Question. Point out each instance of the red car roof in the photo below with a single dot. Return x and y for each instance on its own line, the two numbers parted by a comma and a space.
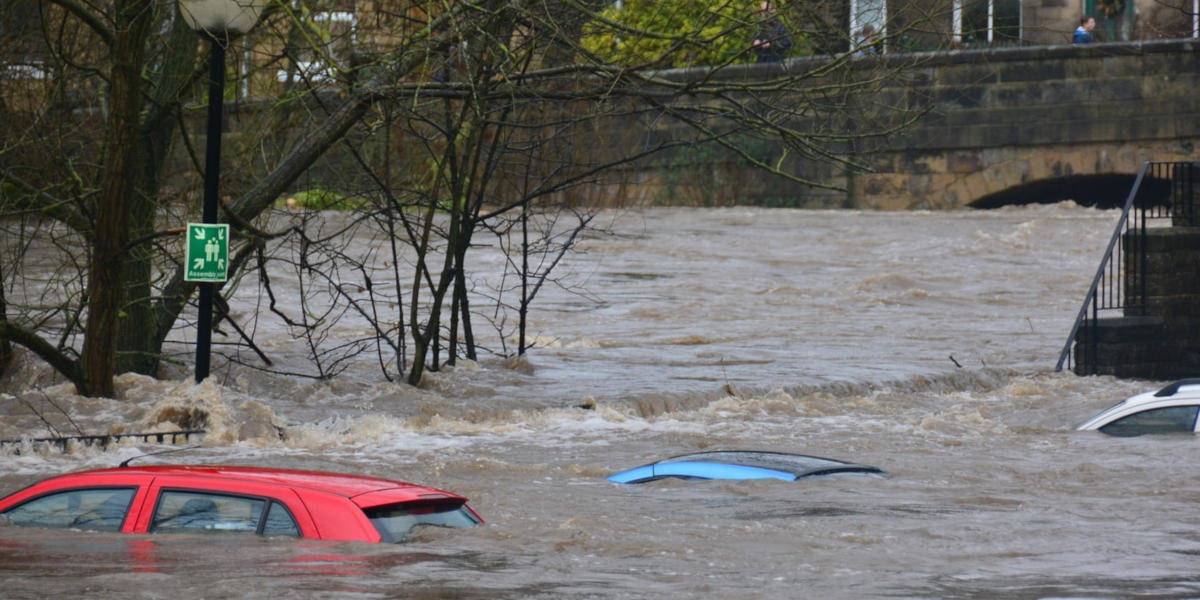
334, 483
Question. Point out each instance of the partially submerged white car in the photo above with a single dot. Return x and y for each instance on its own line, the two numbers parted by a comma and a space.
1172, 409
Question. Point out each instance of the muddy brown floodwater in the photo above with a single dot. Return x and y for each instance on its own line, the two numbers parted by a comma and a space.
826, 333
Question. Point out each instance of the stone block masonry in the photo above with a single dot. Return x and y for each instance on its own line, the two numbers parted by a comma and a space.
998, 120
1163, 343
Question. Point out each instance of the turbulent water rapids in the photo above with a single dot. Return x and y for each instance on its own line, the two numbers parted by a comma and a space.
920, 342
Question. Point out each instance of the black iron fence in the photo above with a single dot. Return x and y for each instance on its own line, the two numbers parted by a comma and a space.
1161, 191
63, 443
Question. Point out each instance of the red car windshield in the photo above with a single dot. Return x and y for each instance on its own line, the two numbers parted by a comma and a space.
396, 521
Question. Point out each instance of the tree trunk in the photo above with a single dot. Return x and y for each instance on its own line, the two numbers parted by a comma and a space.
423, 341
420, 340
138, 347
464, 305
452, 347
112, 211
5, 345
460, 305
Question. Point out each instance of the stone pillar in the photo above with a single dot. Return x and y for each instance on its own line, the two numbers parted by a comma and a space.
1164, 342
1187, 181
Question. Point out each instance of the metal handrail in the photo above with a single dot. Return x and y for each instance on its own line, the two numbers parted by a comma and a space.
1088, 300
1110, 269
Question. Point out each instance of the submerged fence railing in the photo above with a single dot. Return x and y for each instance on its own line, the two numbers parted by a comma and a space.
104, 440
1162, 190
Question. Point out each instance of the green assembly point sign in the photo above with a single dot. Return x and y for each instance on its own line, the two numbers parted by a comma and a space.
207, 254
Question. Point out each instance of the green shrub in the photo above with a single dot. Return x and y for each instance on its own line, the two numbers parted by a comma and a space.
679, 33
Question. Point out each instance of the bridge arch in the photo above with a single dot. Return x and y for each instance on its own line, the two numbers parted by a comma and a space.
1106, 190
1097, 174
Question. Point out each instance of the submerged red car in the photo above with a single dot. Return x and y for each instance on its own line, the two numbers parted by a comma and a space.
247, 500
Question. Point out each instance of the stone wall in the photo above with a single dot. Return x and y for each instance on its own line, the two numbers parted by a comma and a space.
1164, 343
998, 119
1009, 117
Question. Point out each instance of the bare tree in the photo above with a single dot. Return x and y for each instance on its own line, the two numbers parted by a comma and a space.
446, 120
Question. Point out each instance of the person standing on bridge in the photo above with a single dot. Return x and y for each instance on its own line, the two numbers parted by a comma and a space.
771, 41
867, 42
1083, 34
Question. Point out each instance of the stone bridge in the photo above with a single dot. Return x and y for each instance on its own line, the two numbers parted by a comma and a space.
1011, 125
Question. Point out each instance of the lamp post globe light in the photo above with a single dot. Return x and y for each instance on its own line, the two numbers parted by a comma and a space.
218, 20
221, 16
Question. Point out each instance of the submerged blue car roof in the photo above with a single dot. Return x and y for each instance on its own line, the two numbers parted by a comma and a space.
738, 465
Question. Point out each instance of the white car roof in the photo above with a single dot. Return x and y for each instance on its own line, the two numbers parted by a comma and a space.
1182, 392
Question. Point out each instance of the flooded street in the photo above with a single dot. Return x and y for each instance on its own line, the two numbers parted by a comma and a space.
922, 343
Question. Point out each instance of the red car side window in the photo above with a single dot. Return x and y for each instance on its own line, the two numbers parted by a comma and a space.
97, 509
279, 521
201, 511
206, 512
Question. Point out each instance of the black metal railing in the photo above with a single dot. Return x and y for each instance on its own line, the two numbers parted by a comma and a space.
1162, 190
104, 440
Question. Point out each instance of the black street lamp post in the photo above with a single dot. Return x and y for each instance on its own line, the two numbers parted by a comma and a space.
219, 21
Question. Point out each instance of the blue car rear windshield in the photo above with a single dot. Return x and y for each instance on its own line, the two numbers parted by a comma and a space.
397, 521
